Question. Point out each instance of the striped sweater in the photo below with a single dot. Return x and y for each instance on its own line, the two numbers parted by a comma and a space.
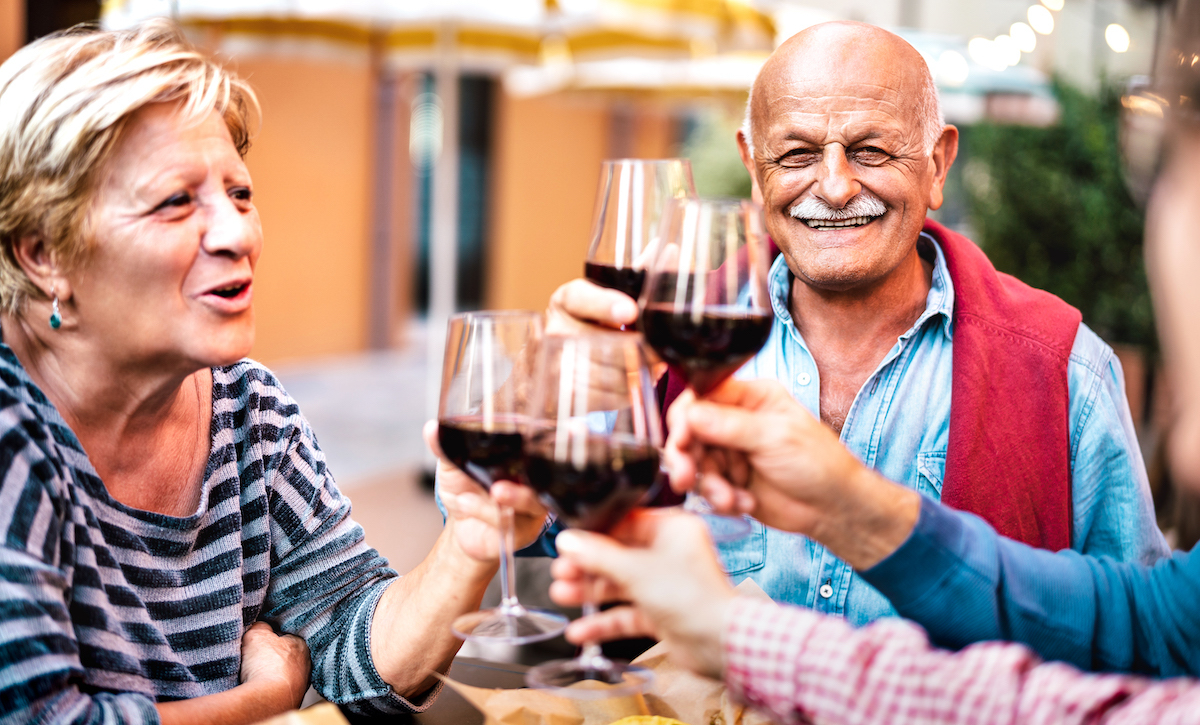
106, 609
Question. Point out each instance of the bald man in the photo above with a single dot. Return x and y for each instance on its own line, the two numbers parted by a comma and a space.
940, 373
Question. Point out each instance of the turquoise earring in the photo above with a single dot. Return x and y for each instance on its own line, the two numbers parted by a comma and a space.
55, 316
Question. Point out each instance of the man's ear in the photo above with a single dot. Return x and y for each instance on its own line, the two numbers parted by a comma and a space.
748, 162
942, 158
39, 265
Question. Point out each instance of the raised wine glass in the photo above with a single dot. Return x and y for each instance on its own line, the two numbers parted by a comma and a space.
592, 453
705, 308
485, 382
632, 196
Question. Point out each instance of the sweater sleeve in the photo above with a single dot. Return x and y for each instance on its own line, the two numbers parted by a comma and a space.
803, 667
326, 581
964, 583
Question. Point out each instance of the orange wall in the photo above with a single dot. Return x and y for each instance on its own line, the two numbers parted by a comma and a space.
547, 167
12, 27
311, 164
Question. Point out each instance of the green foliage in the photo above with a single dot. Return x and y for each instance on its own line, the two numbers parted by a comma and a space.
1050, 206
712, 147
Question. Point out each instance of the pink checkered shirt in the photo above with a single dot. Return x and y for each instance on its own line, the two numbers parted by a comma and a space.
803, 667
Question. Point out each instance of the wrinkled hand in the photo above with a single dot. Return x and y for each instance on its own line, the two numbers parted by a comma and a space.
661, 561
787, 469
281, 659
476, 514
581, 305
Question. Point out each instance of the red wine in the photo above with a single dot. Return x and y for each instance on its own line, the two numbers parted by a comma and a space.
623, 279
485, 455
707, 349
615, 477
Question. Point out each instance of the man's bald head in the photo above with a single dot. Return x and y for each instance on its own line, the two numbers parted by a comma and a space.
846, 52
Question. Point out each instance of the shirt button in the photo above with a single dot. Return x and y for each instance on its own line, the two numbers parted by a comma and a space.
825, 591
804, 378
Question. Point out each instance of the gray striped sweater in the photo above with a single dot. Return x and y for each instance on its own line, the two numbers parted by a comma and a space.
106, 610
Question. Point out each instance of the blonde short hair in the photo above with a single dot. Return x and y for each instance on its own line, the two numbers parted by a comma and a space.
65, 101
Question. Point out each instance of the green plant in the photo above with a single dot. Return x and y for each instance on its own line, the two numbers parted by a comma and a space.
1050, 206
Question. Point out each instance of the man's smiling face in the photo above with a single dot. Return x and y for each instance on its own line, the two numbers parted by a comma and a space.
841, 160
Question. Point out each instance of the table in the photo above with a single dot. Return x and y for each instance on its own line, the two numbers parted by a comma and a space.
450, 708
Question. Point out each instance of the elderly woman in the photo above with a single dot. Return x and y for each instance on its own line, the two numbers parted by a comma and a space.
165, 510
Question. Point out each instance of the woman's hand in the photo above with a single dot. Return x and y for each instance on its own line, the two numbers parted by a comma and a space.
664, 563
276, 659
477, 514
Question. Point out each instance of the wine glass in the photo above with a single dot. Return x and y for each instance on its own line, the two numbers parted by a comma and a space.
592, 453
705, 307
629, 206
485, 382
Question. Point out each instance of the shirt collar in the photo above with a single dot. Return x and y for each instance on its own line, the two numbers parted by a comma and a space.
939, 301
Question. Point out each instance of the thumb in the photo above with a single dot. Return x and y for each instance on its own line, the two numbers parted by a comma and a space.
728, 427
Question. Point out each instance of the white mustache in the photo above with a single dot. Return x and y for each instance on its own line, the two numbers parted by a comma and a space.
863, 204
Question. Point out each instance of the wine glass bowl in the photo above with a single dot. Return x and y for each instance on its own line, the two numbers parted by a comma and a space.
592, 453
632, 196
704, 307
481, 425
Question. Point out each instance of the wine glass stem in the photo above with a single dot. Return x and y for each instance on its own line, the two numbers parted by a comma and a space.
508, 573
591, 656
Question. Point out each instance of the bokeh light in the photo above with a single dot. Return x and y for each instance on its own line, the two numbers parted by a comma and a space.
1007, 51
1041, 19
1053, 4
1023, 36
952, 68
1117, 38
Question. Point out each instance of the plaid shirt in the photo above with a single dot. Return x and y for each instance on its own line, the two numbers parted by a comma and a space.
804, 667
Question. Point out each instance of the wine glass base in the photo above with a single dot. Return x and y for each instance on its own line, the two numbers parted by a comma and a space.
519, 625
590, 680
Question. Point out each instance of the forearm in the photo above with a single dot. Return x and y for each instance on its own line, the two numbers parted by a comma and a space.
411, 634
249, 702
964, 583
868, 520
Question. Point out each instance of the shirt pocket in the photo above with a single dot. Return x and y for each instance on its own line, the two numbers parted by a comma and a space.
931, 470
745, 554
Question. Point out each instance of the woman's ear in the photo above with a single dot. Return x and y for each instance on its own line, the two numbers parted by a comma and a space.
39, 265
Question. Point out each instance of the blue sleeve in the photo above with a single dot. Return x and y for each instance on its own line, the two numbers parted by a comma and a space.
1112, 510
964, 583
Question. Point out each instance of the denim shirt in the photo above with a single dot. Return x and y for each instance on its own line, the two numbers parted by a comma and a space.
899, 425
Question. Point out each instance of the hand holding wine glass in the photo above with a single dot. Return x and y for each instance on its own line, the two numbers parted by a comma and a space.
592, 451
485, 386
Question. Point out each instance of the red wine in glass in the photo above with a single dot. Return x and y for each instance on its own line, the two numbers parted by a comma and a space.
614, 478
632, 197
485, 376
705, 345
627, 280
486, 455
592, 453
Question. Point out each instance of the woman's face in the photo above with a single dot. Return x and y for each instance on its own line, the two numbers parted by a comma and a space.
175, 238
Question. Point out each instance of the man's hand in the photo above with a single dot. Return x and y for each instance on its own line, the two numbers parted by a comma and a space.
664, 563
271, 658
580, 305
776, 462
477, 514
